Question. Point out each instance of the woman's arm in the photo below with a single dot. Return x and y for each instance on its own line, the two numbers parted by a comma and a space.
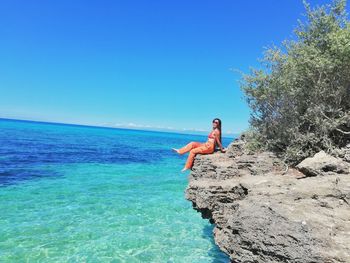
217, 136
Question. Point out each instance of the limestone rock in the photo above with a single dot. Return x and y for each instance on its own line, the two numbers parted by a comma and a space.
347, 153
261, 215
322, 163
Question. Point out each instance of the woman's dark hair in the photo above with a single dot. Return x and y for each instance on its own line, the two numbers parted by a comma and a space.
219, 127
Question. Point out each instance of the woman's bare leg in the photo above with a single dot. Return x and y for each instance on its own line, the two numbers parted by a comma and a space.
175, 150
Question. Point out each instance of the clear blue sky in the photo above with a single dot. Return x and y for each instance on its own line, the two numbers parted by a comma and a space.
135, 63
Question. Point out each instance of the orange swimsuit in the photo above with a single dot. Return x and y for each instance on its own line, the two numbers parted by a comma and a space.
197, 147
211, 136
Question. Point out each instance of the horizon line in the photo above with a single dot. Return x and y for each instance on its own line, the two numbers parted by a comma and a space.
201, 133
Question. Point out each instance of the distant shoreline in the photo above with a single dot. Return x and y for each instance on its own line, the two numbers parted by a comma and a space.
107, 127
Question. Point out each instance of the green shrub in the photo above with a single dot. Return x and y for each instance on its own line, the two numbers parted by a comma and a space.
300, 98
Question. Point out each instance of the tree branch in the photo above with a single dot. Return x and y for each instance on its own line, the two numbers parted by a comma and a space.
344, 132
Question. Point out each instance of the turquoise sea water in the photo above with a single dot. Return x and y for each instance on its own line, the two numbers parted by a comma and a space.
84, 194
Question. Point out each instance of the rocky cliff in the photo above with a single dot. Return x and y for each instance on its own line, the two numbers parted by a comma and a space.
264, 212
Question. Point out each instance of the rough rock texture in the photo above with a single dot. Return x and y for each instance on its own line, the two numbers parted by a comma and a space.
322, 163
264, 214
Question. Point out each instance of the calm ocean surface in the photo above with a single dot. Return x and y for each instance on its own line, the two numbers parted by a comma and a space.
84, 194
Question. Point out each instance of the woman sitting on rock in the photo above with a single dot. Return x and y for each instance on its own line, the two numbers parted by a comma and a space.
214, 139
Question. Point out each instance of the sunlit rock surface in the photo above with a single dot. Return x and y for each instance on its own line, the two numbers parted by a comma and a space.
264, 212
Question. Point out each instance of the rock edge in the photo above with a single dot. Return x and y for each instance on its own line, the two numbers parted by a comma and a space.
264, 214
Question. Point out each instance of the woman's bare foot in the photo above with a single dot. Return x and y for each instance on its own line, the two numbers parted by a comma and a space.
184, 169
175, 150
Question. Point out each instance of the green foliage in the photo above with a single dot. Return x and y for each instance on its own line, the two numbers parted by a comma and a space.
253, 140
300, 99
